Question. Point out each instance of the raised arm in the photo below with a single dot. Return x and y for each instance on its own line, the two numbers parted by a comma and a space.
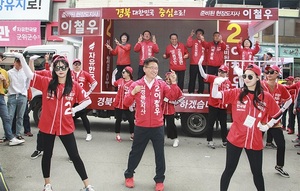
202, 72
23, 62
215, 93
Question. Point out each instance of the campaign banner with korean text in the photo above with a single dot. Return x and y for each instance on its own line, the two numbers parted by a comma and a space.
83, 22
20, 33
205, 13
25, 10
232, 33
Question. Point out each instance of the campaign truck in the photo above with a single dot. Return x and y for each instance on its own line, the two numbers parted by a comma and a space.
97, 26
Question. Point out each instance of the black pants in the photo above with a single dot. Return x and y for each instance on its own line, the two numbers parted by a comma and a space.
278, 136
39, 141
292, 117
120, 68
298, 120
180, 78
119, 116
194, 75
170, 126
70, 145
85, 121
215, 114
255, 158
283, 119
142, 136
141, 72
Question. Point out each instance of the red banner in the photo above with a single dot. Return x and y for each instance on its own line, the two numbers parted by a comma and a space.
91, 57
211, 13
232, 32
80, 22
107, 61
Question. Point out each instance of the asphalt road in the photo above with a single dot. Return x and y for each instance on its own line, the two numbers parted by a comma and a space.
190, 167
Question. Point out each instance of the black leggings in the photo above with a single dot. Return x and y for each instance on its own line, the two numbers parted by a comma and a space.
69, 143
255, 158
119, 116
85, 121
170, 126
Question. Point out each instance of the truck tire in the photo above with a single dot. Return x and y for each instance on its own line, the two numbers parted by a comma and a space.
37, 112
193, 124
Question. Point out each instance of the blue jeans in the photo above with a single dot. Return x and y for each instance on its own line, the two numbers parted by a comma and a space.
141, 138
17, 103
5, 119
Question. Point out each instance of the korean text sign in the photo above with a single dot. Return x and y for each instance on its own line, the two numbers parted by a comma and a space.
25, 10
20, 33
84, 22
191, 13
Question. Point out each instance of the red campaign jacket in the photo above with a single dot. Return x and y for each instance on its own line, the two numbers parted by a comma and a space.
295, 89
215, 53
169, 105
226, 85
84, 79
123, 89
240, 135
279, 93
46, 73
175, 55
196, 50
149, 111
247, 54
146, 49
123, 53
57, 118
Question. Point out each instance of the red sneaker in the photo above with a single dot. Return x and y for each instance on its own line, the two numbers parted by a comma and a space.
159, 186
118, 138
129, 182
290, 131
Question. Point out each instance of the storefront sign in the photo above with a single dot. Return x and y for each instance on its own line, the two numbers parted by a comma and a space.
20, 33
25, 10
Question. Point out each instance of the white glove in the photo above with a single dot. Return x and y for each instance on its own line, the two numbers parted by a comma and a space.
34, 57
113, 76
73, 112
131, 108
262, 127
238, 70
17, 55
219, 80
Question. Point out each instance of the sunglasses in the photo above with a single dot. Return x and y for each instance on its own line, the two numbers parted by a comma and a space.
123, 72
222, 72
77, 64
270, 72
250, 77
62, 68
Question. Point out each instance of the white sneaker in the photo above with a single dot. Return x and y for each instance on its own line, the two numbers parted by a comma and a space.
88, 188
176, 142
15, 141
89, 137
211, 144
48, 187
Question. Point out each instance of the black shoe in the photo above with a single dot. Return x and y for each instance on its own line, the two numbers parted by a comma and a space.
271, 146
282, 172
36, 154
